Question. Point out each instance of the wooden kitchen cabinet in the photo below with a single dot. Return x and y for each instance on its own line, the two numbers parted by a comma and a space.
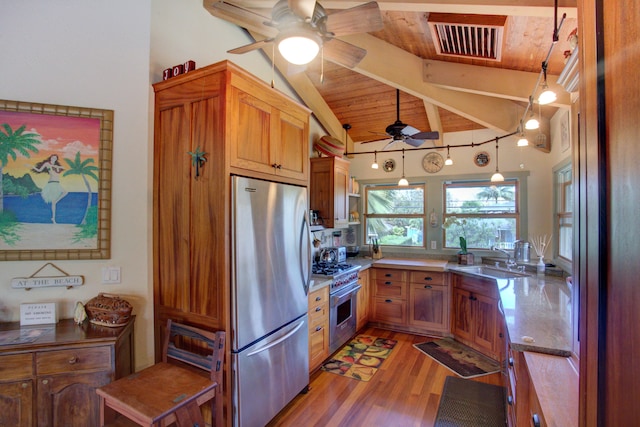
363, 300
318, 327
269, 135
389, 303
52, 380
429, 300
328, 189
475, 314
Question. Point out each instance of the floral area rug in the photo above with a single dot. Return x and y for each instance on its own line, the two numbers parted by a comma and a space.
461, 359
360, 358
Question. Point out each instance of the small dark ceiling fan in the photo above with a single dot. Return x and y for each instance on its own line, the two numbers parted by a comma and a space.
309, 20
401, 132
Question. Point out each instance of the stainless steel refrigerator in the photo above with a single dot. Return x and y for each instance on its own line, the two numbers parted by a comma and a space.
270, 282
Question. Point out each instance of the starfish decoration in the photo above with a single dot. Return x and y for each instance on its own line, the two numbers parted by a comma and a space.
197, 160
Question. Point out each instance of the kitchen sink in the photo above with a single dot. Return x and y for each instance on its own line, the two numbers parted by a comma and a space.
495, 273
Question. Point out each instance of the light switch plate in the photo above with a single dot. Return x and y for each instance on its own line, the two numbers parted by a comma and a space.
110, 275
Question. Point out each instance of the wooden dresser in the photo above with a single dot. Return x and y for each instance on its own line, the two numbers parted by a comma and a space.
51, 380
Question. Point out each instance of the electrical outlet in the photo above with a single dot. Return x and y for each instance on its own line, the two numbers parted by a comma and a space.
434, 245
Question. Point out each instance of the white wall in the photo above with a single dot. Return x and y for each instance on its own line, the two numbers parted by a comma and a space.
89, 54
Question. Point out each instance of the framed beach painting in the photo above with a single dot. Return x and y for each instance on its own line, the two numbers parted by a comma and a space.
55, 182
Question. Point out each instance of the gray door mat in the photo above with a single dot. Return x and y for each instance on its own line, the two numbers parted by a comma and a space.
468, 403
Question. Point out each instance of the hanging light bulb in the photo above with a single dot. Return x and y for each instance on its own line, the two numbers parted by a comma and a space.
374, 165
532, 123
522, 141
497, 176
448, 161
547, 96
403, 181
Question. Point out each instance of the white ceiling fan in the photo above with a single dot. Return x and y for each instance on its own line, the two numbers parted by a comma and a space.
305, 24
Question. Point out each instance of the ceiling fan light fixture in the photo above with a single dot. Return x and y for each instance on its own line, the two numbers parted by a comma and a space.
298, 46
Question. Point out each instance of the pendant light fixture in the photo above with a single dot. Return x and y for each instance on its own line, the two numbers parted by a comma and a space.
532, 123
374, 165
448, 161
497, 176
547, 96
522, 141
403, 181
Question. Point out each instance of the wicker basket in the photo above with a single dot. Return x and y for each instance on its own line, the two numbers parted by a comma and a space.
108, 310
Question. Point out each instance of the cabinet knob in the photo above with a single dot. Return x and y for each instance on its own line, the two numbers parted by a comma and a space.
511, 361
45, 381
318, 328
25, 385
535, 419
428, 278
510, 400
387, 275
73, 360
318, 298
388, 300
428, 286
388, 283
318, 308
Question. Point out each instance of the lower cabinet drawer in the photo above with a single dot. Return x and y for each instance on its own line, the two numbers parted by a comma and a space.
73, 360
389, 310
16, 366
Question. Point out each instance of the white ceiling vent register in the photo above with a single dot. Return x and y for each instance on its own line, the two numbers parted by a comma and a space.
470, 36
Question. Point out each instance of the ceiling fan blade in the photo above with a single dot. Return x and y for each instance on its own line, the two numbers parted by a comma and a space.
242, 17
303, 8
389, 145
426, 135
343, 53
251, 46
410, 131
414, 142
375, 140
360, 19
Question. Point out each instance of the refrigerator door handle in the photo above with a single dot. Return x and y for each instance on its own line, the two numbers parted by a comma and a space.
305, 259
278, 341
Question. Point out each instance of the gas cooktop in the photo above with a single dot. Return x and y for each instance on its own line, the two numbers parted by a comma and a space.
332, 268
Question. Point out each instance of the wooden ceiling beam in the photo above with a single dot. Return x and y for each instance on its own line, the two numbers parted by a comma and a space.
434, 120
400, 69
540, 8
498, 82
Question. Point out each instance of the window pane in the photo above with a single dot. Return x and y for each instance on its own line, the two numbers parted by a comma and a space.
395, 201
481, 199
396, 231
482, 233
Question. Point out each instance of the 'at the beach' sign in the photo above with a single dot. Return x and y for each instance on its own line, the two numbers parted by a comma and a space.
45, 282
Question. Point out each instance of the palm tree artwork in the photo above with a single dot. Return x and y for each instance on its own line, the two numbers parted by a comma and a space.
13, 143
83, 168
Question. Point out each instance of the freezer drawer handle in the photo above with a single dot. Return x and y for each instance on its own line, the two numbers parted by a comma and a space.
278, 341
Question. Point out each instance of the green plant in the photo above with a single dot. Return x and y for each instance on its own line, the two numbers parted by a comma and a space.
461, 225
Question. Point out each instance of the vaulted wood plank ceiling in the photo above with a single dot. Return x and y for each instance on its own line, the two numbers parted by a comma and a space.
438, 92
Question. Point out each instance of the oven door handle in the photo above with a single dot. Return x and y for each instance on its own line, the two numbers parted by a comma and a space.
352, 290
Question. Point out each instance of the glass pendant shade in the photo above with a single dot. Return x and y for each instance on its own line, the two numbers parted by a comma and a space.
403, 182
532, 123
497, 177
523, 142
298, 48
374, 165
547, 96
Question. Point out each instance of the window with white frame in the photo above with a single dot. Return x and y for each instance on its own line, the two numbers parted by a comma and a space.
486, 214
395, 216
564, 212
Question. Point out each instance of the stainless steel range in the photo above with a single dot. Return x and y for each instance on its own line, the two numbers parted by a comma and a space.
342, 299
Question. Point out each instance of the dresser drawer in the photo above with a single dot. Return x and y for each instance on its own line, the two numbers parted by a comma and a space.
427, 277
16, 366
73, 360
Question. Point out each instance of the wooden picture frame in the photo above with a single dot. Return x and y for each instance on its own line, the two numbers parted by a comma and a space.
55, 182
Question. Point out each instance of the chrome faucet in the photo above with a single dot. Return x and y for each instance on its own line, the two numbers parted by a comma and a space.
510, 263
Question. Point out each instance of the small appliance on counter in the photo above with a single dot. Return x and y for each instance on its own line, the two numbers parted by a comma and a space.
521, 251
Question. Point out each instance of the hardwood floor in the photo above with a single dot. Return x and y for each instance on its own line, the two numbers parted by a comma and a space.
404, 392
